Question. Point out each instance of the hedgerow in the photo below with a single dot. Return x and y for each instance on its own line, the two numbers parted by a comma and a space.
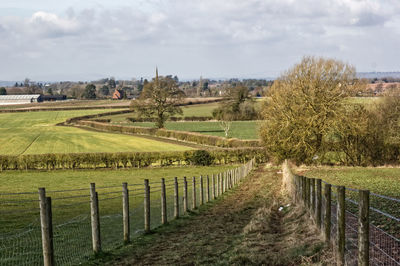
125, 159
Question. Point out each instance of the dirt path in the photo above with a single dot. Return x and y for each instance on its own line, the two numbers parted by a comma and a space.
246, 227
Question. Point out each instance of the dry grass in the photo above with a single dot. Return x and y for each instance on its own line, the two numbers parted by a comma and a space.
247, 227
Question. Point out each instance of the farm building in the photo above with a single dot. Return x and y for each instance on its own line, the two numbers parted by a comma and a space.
118, 94
20, 99
52, 98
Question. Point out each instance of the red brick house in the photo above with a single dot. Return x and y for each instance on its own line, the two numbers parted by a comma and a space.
118, 94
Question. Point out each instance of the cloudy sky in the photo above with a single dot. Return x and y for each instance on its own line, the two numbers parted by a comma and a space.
84, 40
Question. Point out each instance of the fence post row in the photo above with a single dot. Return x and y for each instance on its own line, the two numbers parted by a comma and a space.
146, 206
95, 219
163, 202
125, 212
46, 227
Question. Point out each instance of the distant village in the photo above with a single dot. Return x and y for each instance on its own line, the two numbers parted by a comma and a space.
29, 91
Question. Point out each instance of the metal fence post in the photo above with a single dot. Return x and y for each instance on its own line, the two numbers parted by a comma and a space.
201, 191
341, 224
194, 193
208, 189
46, 227
363, 228
125, 212
146, 206
176, 198
185, 196
163, 202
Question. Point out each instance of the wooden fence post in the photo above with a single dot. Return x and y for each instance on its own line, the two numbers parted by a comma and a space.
341, 224
218, 185
46, 227
319, 203
194, 193
201, 191
312, 184
163, 202
95, 219
363, 228
125, 212
185, 195
328, 213
176, 198
146, 206
208, 189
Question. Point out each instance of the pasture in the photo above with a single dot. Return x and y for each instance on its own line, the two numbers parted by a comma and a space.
385, 181
239, 129
37, 133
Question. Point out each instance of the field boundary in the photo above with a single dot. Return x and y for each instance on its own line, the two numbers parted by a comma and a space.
357, 223
145, 206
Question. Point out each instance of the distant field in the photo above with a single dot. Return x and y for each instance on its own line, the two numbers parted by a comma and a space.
239, 129
69, 103
36, 133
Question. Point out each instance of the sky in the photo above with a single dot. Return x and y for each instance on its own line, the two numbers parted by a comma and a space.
51, 40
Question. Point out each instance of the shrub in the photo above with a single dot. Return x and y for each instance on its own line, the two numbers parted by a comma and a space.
202, 157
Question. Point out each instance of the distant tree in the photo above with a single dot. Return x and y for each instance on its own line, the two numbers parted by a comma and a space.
89, 92
159, 98
237, 103
105, 90
50, 91
111, 83
16, 84
3, 91
27, 82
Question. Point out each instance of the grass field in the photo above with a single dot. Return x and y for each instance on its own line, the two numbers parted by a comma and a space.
239, 129
36, 133
77, 183
385, 181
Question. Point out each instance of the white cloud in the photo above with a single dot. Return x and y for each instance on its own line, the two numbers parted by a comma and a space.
189, 38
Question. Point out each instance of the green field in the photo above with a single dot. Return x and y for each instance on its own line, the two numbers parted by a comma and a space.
239, 129
36, 133
77, 183
385, 181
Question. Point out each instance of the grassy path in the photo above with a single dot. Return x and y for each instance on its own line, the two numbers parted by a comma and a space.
245, 227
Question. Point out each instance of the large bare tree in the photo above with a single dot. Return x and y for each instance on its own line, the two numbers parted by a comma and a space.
303, 105
160, 98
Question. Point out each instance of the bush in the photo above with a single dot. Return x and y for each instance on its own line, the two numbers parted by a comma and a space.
202, 157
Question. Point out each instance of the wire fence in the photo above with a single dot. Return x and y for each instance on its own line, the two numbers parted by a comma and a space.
363, 227
35, 230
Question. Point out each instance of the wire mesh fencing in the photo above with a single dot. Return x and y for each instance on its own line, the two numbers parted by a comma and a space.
363, 227
67, 227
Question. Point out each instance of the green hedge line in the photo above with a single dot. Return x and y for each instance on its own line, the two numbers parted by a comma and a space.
172, 118
173, 134
84, 117
123, 160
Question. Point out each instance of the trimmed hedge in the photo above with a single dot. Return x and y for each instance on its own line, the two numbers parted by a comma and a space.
172, 118
173, 134
124, 160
